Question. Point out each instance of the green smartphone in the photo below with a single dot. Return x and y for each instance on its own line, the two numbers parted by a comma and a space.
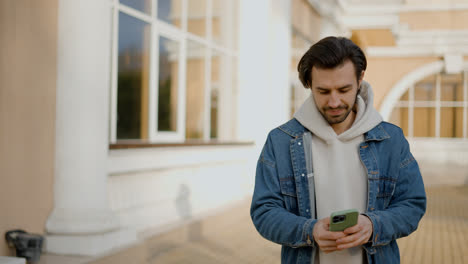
341, 220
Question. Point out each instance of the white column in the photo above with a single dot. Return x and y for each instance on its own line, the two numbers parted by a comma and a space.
81, 221
264, 68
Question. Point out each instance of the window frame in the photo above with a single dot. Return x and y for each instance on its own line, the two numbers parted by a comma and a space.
437, 104
160, 28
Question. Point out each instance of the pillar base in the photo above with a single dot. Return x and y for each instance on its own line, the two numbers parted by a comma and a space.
89, 244
81, 222
12, 260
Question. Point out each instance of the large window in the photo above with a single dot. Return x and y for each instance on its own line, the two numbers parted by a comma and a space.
305, 30
173, 70
299, 45
436, 106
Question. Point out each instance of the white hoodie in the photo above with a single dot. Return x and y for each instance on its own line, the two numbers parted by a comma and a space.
340, 177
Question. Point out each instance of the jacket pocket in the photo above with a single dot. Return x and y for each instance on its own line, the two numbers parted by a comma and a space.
385, 189
288, 190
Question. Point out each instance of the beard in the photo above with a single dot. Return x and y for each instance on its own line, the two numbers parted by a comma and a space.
336, 119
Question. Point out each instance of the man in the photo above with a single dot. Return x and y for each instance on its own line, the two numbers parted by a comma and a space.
337, 154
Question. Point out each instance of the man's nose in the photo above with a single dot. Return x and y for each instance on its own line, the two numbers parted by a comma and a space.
334, 100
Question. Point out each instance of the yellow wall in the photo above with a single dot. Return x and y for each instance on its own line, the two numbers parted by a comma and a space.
436, 20
28, 37
383, 73
373, 37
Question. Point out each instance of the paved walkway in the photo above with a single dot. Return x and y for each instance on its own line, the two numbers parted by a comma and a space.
442, 236
230, 237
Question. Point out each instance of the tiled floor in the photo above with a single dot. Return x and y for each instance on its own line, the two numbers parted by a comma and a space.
230, 237
442, 236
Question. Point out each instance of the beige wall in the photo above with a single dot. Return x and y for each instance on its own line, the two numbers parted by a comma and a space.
28, 36
431, 2
436, 20
305, 20
373, 37
383, 73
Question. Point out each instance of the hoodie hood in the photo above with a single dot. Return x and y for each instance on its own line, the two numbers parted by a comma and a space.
367, 117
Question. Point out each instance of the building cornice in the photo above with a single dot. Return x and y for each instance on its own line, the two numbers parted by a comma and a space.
370, 21
332, 10
359, 16
394, 9
413, 51
423, 43
326, 8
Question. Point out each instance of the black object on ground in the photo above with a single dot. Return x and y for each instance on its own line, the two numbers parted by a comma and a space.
27, 245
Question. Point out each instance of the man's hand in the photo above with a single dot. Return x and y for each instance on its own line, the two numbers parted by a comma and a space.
326, 240
356, 235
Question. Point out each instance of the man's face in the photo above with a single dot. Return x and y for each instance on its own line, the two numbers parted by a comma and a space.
335, 91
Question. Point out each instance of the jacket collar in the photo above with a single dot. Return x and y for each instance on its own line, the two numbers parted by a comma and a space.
295, 129
378, 133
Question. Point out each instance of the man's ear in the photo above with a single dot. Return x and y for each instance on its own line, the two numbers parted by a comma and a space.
361, 77
359, 83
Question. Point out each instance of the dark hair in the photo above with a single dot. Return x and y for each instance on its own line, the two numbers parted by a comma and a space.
329, 53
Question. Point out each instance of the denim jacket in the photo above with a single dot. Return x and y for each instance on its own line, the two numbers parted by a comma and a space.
281, 210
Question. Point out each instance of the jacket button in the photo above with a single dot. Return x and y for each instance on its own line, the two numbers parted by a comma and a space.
299, 143
303, 174
307, 210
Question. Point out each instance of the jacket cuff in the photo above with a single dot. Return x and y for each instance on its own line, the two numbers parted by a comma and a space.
373, 242
307, 232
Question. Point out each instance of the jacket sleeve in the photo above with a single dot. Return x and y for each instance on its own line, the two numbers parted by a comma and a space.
407, 205
268, 211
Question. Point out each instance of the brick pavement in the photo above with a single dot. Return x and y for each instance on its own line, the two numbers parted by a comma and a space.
442, 236
230, 237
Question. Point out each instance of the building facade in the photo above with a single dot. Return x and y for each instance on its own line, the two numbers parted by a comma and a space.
124, 119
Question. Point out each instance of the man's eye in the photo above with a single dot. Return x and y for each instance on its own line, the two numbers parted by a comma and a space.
323, 92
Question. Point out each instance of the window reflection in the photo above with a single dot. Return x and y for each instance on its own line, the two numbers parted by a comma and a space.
196, 20
425, 90
206, 95
168, 84
195, 100
133, 76
218, 67
140, 5
427, 104
424, 122
305, 30
451, 122
299, 45
218, 21
224, 22
170, 11
214, 95
214, 113
399, 117
451, 87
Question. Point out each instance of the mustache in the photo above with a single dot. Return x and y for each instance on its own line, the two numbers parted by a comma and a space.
335, 108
